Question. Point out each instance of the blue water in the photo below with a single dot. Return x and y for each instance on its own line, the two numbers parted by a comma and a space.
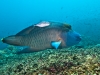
83, 15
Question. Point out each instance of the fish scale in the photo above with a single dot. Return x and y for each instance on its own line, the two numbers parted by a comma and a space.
38, 42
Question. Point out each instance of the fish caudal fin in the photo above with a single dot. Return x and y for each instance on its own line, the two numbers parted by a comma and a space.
12, 40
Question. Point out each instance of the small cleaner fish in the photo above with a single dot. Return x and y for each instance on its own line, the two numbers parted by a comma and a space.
44, 35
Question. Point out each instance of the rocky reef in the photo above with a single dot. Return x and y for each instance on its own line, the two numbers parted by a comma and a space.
69, 61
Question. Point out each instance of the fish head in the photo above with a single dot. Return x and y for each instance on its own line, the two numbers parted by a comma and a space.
12, 40
73, 38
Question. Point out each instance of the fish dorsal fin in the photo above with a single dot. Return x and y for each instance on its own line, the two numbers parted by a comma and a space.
62, 26
44, 25
26, 30
33, 28
40, 27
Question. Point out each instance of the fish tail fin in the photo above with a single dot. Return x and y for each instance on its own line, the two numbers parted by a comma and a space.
12, 40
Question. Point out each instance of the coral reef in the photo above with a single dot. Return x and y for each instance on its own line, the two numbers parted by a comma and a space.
68, 61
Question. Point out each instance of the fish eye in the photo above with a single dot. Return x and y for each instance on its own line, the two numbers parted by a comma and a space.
78, 38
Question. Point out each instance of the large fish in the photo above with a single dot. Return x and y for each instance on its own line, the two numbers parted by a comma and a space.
44, 35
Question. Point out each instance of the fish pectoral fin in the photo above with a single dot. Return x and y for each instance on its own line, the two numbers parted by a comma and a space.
25, 50
56, 44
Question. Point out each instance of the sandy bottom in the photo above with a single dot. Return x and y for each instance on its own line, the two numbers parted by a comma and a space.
68, 61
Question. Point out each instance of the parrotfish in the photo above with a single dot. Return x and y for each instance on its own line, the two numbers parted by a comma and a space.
44, 35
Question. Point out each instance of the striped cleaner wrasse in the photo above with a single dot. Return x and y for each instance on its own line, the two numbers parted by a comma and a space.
44, 35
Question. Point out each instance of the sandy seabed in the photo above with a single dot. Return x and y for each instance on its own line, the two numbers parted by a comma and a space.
67, 61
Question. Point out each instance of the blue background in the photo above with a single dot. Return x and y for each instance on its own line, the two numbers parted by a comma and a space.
83, 15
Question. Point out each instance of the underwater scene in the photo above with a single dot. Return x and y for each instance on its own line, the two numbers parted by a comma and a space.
49, 37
